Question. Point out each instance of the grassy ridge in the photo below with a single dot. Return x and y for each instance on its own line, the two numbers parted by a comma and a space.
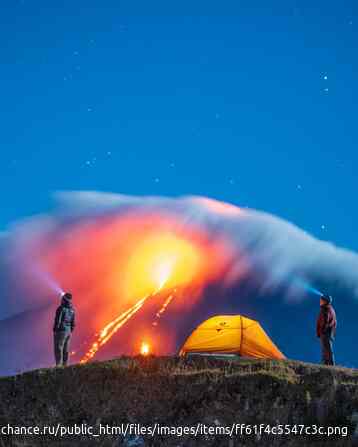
181, 392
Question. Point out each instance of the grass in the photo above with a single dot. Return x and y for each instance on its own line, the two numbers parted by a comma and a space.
182, 391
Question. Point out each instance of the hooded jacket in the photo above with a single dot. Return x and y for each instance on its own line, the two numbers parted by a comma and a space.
327, 321
65, 317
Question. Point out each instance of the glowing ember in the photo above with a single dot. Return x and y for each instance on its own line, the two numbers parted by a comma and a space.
145, 349
163, 271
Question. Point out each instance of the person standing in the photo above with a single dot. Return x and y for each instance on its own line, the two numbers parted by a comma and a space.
326, 329
62, 329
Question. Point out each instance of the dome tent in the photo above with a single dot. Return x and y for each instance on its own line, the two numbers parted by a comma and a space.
231, 334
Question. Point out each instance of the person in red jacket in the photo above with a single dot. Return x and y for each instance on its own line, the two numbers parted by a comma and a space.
326, 329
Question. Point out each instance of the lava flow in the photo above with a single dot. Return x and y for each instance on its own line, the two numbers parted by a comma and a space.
108, 331
159, 261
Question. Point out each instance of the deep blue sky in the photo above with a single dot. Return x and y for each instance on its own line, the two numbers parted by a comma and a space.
226, 99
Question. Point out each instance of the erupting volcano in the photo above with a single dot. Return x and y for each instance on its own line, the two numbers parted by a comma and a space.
127, 271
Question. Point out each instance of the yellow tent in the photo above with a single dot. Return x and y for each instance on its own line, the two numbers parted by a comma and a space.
231, 334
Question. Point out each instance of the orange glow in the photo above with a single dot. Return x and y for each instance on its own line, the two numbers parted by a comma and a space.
161, 260
219, 207
145, 349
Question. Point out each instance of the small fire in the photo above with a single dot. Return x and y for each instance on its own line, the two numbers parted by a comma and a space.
145, 349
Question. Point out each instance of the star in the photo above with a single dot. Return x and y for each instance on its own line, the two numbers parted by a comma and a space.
172, 165
157, 180
326, 89
299, 186
323, 227
325, 77
89, 109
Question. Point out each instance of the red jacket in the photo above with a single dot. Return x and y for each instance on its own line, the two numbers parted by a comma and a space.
326, 320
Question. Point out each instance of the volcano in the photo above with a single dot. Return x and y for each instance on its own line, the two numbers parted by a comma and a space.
150, 270
26, 339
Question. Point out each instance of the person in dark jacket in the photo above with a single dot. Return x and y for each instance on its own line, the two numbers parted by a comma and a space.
326, 329
62, 329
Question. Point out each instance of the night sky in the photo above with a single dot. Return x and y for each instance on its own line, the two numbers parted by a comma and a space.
250, 102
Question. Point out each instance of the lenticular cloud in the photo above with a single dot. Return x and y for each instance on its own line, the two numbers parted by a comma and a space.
247, 241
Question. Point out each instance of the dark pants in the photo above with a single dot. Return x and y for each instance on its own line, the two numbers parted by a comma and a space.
61, 347
327, 348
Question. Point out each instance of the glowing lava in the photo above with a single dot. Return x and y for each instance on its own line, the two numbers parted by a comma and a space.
160, 260
108, 331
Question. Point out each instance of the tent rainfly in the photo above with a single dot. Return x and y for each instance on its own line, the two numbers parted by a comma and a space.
231, 334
